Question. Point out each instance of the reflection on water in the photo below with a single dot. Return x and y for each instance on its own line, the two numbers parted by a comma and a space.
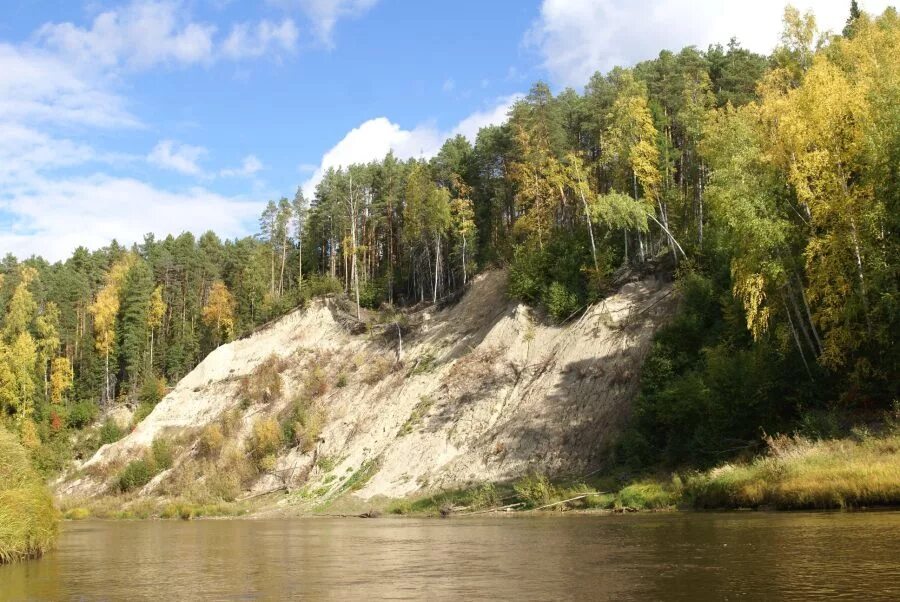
663, 556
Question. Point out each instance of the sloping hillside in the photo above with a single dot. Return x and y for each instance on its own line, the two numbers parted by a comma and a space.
483, 391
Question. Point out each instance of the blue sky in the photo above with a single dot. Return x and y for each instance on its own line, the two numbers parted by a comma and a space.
119, 118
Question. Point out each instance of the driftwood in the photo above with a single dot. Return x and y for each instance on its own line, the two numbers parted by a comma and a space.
507, 507
571, 499
256, 495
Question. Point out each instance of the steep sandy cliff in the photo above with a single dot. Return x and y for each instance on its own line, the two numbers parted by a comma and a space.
485, 391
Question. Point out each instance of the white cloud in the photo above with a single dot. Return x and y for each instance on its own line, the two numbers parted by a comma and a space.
182, 158
324, 14
578, 37
140, 35
249, 167
469, 126
374, 138
39, 86
246, 40
25, 151
53, 217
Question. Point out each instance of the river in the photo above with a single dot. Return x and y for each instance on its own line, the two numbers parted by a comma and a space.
677, 556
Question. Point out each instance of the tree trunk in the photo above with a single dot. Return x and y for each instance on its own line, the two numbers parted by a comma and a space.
437, 265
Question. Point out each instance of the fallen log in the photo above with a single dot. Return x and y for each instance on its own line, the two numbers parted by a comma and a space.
571, 499
498, 508
256, 495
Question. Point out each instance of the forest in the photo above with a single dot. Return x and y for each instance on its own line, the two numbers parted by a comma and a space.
767, 186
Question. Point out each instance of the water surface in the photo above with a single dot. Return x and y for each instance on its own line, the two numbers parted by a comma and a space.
736, 556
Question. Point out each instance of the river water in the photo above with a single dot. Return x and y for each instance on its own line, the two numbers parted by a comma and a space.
689, 556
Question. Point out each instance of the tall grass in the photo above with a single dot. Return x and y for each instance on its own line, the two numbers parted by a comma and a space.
28, 521
801, 474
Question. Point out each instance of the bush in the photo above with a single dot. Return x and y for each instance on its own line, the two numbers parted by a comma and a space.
263, 385
319, 286
135, 475
265, 440
82, 414
645, 496
152, 391
51, 457
110, 432
142, 411
485, 496
560, 276
28, 520
377, 369
561, 302
163, 453
316, 382
211, 441
372, 293
535, 490
303, 424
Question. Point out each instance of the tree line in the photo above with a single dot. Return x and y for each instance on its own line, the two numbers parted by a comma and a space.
772, 179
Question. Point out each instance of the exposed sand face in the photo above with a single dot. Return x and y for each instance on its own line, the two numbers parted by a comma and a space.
485, 392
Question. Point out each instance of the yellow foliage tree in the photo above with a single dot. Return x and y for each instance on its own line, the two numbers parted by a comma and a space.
61, 379
218, 313
105, 309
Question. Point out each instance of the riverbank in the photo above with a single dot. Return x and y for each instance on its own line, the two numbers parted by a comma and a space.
794, 474
28, 520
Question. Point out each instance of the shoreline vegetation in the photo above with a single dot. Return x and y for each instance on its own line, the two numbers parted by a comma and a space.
796, 473
29, 523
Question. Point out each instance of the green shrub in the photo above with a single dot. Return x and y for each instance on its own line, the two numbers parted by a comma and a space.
303, 424
211, 441
560, 276
265, 440
163, 453
82, 414
561, 302
28, 520
645, 496
110, 432
316, 382
372, 293
152, 390
52, 456
485, 496
263, 385
319, 286
135, 475
535, 490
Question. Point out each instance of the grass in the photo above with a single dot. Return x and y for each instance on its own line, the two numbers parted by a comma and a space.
795, 474
415, 417
798, 474
28, 520
118, 508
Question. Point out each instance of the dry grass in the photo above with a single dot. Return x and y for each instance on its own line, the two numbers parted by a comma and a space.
28, 520
378, 369
263, 385
801, 474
